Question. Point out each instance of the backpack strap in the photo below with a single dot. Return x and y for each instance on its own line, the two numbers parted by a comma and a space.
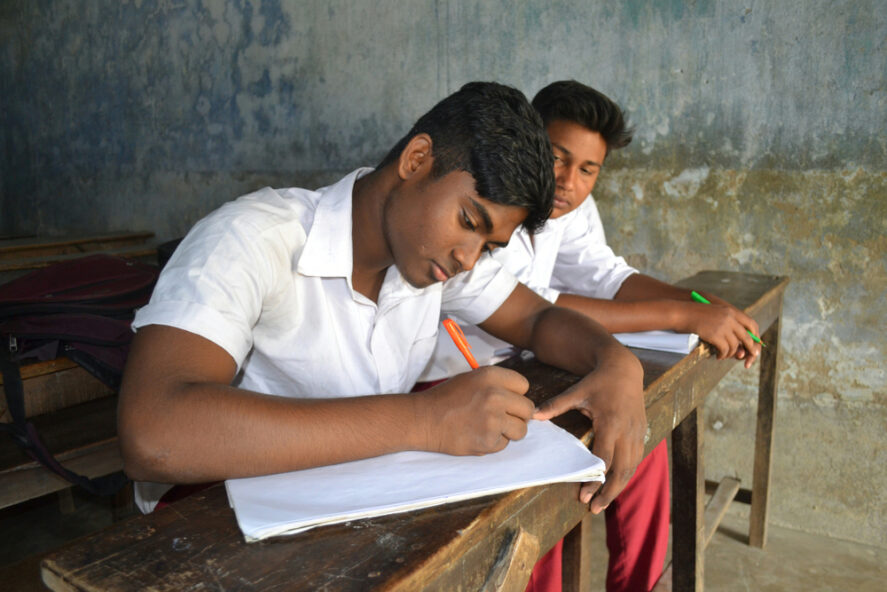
25, 434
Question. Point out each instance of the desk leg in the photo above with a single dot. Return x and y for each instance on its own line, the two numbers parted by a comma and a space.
577, 557
687, 504
760, 496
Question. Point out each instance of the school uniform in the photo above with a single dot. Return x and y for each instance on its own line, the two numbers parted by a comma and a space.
570, 254
267, 278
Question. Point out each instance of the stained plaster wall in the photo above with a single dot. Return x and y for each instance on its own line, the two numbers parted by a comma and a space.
760, 147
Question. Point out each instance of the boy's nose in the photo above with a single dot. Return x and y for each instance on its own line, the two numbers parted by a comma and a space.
566, 178
467, 254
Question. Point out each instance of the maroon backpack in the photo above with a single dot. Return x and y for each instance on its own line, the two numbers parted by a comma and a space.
81, 309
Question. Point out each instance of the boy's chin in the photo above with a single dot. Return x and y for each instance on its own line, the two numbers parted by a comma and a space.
419, 282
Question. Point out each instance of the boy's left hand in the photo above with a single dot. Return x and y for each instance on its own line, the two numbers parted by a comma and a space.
613, 398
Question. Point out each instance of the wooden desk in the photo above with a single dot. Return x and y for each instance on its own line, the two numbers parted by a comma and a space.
489, 543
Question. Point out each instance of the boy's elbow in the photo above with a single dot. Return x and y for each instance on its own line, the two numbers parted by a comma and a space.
142, 460
143, 448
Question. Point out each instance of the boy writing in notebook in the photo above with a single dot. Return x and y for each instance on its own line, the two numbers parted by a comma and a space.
569, 263
288, 327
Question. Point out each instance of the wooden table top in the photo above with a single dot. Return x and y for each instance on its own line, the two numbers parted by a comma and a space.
195, 543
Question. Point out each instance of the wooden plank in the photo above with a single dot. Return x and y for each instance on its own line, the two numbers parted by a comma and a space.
54, 386
43, 368
760, 498
17, 248
83, 438
514, 564
18, 264
743, 496
65, 430
718, 504
31, 481
688, 528
577, 559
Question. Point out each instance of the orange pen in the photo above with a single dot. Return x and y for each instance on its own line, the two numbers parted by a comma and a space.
458, 336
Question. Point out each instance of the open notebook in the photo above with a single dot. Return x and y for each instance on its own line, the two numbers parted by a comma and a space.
288, 503
679, 343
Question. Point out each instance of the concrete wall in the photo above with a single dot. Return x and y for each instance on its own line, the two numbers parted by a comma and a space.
760, 147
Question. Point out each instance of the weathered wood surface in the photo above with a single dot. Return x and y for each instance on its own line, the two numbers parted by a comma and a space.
53, 385
687, 505
195, 543
718, 504
82, 437
18, 248
21, 255
764, 438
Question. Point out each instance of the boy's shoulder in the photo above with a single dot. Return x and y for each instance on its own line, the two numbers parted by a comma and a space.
283, 212
268, 207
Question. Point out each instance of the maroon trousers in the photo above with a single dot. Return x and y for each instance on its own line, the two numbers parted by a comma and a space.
637, 533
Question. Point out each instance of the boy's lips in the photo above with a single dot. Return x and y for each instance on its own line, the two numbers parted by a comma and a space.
440, 273
561, 203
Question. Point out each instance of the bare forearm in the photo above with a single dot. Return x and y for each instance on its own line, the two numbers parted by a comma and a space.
558, 336
643, 287
204, 432
625, 317
572, 341
642, 303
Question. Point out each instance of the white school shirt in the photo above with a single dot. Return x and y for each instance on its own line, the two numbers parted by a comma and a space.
569, 254
267, 277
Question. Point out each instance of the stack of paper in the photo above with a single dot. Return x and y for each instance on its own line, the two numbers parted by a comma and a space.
288, 503
680, 343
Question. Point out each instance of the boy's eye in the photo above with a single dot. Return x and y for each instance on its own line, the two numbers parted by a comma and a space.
468, 223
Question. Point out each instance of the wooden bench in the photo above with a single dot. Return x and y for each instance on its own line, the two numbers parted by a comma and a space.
20, 255
75, 414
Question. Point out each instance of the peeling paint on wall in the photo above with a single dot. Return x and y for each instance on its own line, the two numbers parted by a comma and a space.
827, 230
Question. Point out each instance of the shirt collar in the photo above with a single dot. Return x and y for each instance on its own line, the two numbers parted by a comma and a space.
328, 250
328, 247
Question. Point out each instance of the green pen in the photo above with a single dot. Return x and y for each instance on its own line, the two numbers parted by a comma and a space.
700, 298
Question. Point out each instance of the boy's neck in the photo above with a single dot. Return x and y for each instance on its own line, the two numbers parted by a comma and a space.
371, 256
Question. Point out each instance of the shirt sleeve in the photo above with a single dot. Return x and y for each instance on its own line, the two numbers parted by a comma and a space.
585, 265
473, 296
518, 258
216, 281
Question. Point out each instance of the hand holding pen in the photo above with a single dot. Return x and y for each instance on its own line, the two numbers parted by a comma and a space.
703, 300
732, 332
476, 412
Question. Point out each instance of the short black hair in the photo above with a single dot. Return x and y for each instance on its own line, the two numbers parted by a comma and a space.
491, 131
569, 100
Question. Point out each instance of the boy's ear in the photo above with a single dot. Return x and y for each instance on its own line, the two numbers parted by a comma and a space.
415, 154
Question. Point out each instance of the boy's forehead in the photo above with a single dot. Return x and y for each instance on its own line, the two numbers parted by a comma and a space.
502, 218
577, 139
